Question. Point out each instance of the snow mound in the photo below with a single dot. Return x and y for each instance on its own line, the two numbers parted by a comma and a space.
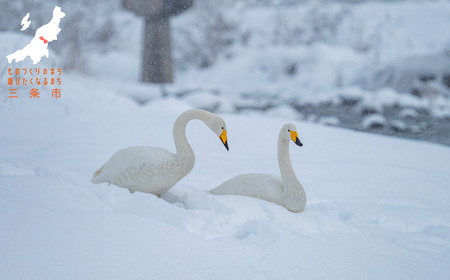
374, 121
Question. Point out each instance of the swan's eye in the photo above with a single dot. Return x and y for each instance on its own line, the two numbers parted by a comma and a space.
222, 127
289, 130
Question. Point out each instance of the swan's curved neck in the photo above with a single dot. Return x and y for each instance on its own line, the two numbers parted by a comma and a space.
284, 162
179, 130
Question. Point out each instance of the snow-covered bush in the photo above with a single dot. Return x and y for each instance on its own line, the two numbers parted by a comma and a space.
206, 32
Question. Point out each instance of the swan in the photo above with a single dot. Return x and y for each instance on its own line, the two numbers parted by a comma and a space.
153, 169
285, 190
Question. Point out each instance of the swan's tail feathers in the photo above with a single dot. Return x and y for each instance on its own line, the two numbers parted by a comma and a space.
95, 177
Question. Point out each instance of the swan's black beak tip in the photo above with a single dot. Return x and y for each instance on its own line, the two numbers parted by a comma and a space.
223, 138
226, 145
298, 143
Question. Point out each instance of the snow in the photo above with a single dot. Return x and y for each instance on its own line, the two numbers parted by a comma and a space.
233, 56
283, 111
206, 99
408, 113
377, 206
332, 44
398, 125
329, 120
373, 121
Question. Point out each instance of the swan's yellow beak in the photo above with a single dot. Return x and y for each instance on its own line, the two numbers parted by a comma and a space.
223, 138
294, 137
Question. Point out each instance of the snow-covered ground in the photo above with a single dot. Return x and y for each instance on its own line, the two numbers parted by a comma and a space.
378, 207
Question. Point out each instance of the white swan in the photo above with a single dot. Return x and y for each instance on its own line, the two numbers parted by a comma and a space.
155, 170
285, 190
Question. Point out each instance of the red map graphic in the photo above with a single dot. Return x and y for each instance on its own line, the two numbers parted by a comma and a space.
42, 38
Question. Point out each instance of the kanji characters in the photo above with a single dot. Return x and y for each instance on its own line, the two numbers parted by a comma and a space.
34, 93
13, 93
56, 93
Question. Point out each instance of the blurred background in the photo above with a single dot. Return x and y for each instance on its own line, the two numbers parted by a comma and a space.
377, 66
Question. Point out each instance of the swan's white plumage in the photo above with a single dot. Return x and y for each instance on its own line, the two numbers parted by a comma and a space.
156, 170
263, 186
145, 169
285, 190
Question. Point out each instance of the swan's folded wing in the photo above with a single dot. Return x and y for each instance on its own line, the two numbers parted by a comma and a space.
135, 166
263, 186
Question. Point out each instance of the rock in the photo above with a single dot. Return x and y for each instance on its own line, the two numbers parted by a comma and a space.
408, 113
329, 120
398, 125
374, 121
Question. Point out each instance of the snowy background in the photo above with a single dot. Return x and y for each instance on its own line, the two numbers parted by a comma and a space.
380, 67
378, 207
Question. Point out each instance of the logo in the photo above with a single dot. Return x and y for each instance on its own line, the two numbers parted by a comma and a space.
36, 49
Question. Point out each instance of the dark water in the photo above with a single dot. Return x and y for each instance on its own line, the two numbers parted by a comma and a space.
420, 126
